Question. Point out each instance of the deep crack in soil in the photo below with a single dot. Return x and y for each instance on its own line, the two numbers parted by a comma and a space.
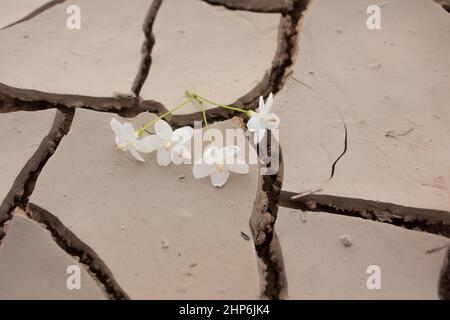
73, 246
262, 225
146, 49
428, 220
262, 6
25, 182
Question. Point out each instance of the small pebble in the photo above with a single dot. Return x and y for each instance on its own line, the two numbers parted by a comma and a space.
193, 264
165, 244
346, 240
374, 66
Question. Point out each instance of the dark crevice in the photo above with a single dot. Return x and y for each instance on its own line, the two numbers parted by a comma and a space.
147, 48
16, 99
333, 167
36, 12
262, 6
444, 279
25, 182
265, 208
428, 220
71, 244
445, 4
262, 224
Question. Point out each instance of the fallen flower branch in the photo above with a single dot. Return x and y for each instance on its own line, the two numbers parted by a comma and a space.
217, 161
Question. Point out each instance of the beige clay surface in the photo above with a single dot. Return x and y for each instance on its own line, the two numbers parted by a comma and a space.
32, 266
21, 133
223, 53
12, 11
319, 266
165, 235
162, 233
393, 81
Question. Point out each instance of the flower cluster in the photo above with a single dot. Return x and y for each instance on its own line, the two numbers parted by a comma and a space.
217, 162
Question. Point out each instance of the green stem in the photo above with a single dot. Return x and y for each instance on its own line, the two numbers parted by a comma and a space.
200, 98
141, 130
206, 122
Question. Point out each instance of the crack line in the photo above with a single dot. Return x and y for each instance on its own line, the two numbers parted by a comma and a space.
34, 13
147, 48
444, 279
267, 6
25, 182
262, 225
16, 99
265, 207
333, 167
428, 220
73, 246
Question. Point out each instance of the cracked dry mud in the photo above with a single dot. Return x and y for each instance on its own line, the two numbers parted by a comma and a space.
363, 127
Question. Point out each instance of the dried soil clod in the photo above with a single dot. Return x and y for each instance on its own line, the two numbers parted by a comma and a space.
346, 240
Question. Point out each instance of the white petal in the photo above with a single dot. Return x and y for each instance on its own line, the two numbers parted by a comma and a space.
238, 166
219, 178
182, 135
201, 169
156, 142
219, 155
261, 104
273, 122
144, 145
129, 131
209, 156
163, 130
259, 135
117, 127
121, 141
182, 151
230, 153
254, 123
269, 103
176, 158
164, 157
135, 154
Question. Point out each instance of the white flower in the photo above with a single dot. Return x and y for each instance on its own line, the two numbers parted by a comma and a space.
169, 143
263, 119
128, 139
217, 163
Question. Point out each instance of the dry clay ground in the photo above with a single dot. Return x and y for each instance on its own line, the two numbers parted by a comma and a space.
364, 134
